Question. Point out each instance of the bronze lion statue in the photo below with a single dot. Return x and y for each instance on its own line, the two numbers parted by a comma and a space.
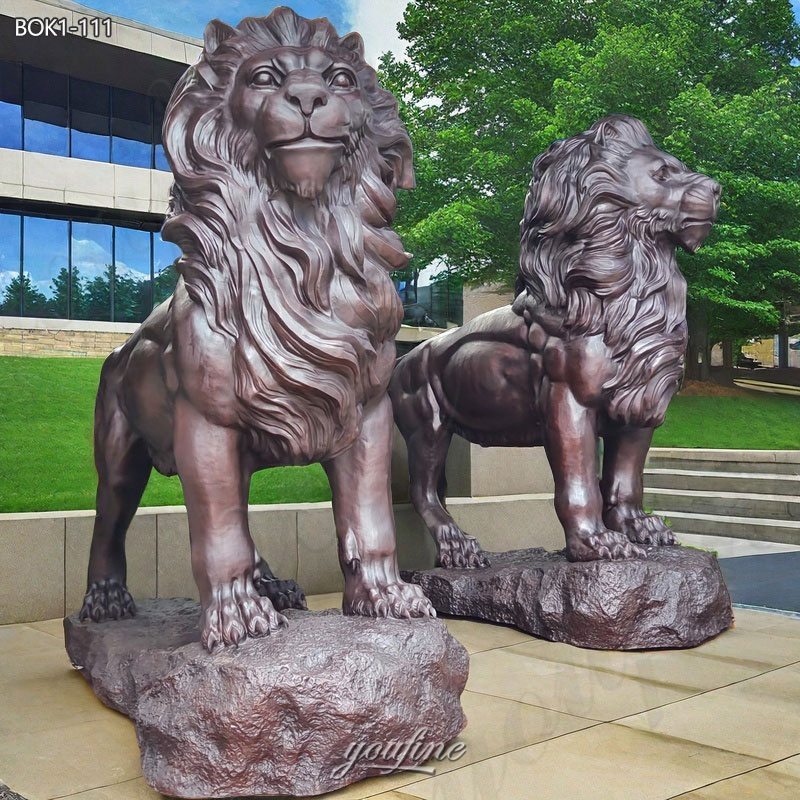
593, 346
278, 344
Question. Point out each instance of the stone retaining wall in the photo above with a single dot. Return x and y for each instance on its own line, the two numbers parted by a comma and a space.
41, 343
44, 556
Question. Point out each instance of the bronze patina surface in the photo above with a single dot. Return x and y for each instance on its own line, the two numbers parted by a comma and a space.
592, 347
278, 343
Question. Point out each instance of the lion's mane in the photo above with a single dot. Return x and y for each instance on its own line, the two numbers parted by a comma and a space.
590, 255
263, 276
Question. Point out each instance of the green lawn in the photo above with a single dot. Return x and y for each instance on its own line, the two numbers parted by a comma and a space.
749, 421
46, 407
46, 410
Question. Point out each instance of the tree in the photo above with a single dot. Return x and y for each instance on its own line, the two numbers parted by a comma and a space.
9, 305
489, 84
65, 290
96, 301
164, 283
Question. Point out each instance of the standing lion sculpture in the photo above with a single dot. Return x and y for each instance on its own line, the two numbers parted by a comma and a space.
278, 344
592, 346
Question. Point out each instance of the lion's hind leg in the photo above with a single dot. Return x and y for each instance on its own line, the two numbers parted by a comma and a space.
428, 440
123, 468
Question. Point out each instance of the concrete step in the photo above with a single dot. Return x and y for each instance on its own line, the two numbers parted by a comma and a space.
766, 530
740, 504
708, 480
772, 462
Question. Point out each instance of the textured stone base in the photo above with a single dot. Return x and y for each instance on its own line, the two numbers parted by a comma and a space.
676, 597
279, 715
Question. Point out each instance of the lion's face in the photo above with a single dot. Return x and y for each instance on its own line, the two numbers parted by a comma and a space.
305, 111
685, 203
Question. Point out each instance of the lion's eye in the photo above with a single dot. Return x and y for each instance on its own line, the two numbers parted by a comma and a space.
342, 80
662, 173
264, 78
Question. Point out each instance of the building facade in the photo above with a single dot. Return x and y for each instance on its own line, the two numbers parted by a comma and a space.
84, 183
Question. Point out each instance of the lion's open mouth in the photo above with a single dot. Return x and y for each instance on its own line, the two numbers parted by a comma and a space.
304, 165
309, 143
349, 142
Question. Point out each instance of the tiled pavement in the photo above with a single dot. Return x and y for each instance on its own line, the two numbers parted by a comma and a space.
546, 721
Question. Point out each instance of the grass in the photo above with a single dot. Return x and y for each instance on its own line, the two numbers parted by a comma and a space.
46, 462
46, 408
746, 421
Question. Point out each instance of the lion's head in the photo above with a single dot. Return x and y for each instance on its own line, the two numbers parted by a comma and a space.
286, 154
604, 213
287, 100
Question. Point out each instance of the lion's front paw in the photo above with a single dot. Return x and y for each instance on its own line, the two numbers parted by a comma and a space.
107, 599
639, 527
602, 544
456, 549
397, 599
235, 612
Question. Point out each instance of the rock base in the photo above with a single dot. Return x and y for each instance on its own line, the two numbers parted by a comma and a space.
307, 710
676, 597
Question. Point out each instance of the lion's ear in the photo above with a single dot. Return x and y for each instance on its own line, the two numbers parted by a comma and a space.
354, 43
406, 178
215, 34
400, 157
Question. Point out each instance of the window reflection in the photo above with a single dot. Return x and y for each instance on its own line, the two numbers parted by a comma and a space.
89, 120
10, 281
70, 117
45, 109
160, 158
10, 105
131, 128
165, 276
73, 269
45, 264
132, 289
92, 270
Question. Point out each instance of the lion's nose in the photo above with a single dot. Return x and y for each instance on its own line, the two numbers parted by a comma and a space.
307, 96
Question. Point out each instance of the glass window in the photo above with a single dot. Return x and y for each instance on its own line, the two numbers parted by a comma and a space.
165, 276
45, 264
45, 107
92, 270
89, 120
132, 288
10, 105
10, 283
160, 157
131, 128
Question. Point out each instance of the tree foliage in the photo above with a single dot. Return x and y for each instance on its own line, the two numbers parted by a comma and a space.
489, 84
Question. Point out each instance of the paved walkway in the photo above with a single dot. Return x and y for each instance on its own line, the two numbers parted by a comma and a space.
546, 721
766, 581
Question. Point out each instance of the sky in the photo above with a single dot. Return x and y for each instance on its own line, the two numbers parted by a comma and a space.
375, 20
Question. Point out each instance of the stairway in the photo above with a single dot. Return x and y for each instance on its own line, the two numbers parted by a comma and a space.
746, 494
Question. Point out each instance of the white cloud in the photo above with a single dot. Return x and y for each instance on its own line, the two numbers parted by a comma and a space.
90, 257
427, 274
6, 276
376, 21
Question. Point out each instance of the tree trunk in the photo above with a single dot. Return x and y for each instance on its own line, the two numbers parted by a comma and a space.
698, 355
725, 374
783, 339
727, 355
